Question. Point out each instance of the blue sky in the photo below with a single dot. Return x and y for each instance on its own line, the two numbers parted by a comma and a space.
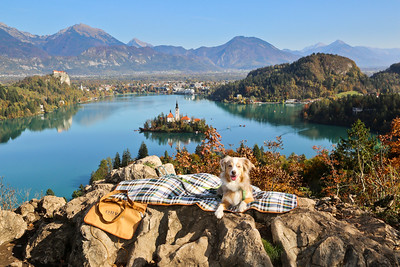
292, 24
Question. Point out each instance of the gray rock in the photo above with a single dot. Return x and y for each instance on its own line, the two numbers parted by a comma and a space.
75, 209
50, 242
16, 264
151, 161
131, 172
167, 168
12, 226
25, 209
188, 236
94, 247
49, 204
148, 167
314, 238
28, 212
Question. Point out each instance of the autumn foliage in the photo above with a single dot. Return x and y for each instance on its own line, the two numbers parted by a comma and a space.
360, 169
272, 172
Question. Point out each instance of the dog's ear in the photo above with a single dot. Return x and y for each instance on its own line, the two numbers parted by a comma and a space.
223, 162
247, 165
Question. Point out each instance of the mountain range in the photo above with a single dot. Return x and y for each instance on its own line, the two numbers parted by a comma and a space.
365, 57
83, 50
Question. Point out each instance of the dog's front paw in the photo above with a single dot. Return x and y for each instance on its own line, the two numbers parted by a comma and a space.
219, 213
242, 206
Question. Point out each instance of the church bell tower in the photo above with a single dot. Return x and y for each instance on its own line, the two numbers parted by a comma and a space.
177, 118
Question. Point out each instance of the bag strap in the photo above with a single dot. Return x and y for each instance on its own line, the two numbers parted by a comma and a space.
121, 204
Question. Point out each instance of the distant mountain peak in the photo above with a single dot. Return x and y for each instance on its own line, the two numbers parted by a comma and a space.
75, 39
313, 47
83, 29
138, 43
339, 42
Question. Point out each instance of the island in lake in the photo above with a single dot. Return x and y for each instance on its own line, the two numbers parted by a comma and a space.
175, 123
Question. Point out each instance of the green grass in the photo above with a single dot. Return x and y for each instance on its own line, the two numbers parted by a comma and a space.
149, 164
274, 252
342, 94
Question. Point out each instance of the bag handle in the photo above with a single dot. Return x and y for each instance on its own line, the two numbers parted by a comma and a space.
122, 206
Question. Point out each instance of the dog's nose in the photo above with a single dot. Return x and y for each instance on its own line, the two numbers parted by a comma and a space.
233, 173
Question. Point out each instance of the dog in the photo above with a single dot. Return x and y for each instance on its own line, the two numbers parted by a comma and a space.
236, 188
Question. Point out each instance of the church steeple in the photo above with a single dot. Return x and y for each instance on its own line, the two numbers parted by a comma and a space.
177, 117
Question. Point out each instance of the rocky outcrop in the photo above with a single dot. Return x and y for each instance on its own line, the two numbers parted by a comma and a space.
310, 237
50, 243
148, 167
29, 212
12, 226
188, 236
326, 232
49, 204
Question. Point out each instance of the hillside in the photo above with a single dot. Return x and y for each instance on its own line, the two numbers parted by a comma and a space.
34, 95
14, 48
388, 81
129, 59
317, 75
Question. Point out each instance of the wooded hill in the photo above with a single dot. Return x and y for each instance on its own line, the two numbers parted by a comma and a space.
388, 81
314, 76
376, 110
24, 98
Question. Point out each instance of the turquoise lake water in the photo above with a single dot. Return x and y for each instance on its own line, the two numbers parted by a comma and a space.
61, 149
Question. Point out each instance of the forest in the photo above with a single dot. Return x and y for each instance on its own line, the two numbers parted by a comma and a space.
376, 112
39, 94
314, 76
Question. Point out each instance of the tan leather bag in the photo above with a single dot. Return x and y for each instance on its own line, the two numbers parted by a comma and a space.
116, 216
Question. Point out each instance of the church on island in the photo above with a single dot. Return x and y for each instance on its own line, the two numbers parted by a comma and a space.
177, 117
175, 123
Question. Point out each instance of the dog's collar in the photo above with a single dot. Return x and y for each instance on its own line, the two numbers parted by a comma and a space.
243, 194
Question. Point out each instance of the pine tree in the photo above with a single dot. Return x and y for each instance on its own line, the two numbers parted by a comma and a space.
101, 172
143, 152
79, 192
50, 192
117, 161
166, 158
126, 158
257, 153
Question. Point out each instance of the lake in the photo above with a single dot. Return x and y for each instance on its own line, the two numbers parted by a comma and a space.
59, 150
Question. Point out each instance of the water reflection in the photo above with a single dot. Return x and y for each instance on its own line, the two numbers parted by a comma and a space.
60, 119
178, 140
98, 111
284, 114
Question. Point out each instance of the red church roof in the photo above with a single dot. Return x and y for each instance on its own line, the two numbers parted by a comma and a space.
186, 118
170, 115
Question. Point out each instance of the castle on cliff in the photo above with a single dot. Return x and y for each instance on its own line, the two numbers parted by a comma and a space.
64, 78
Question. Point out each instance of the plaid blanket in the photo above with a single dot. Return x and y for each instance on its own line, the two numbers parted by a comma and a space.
199, 189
